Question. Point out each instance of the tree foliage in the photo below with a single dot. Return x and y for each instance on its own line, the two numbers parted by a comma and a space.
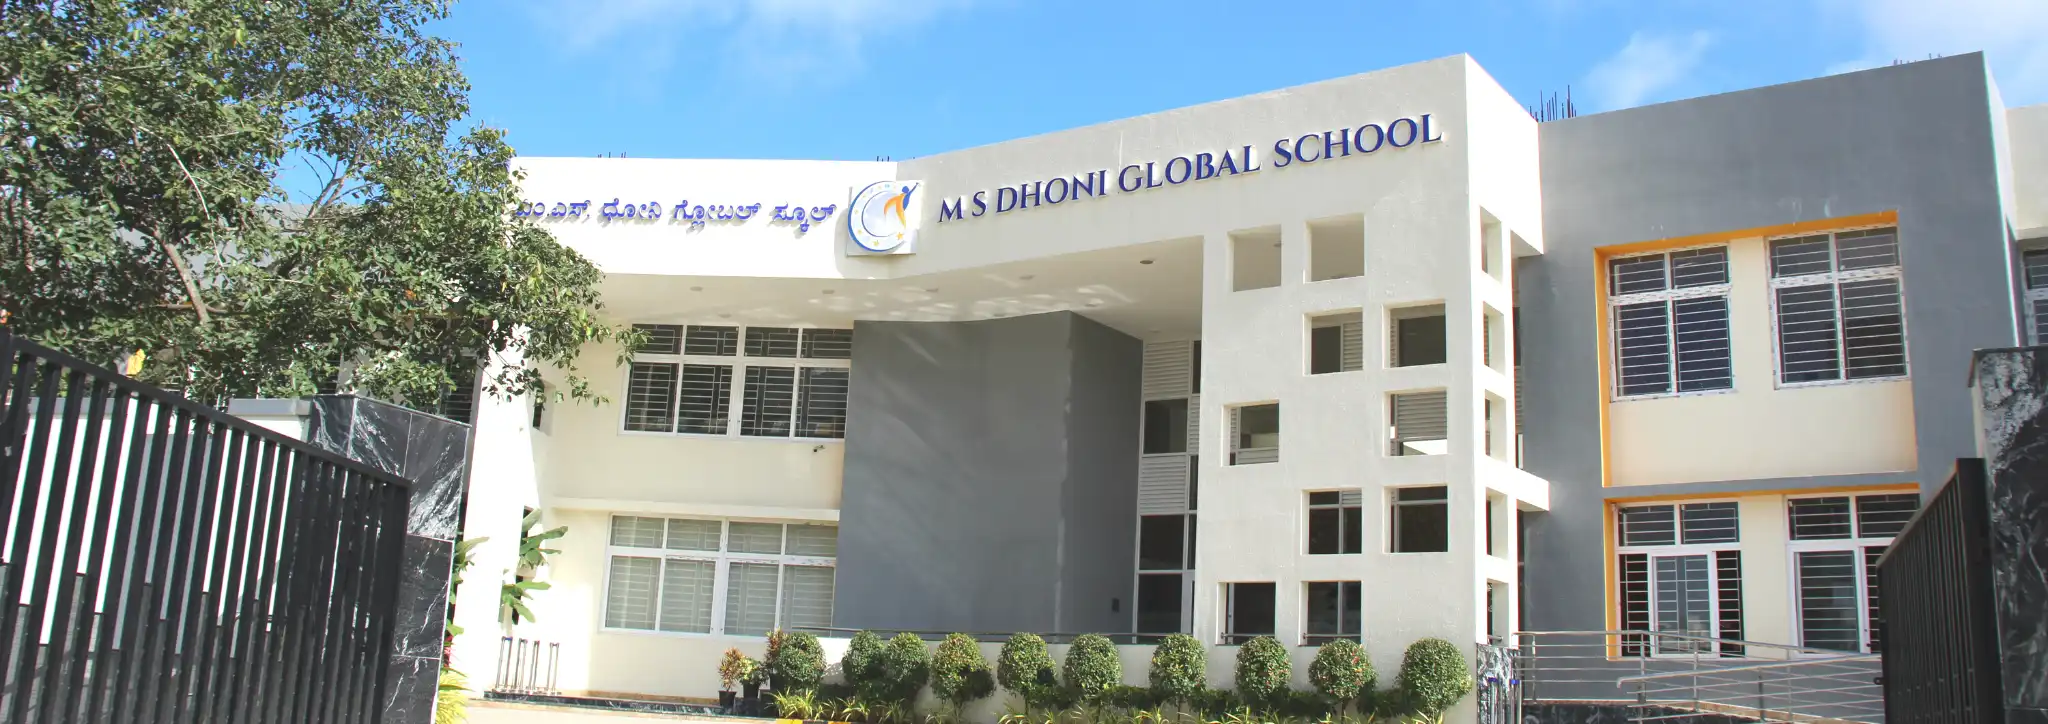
903, 668
795, 660
1262, 671
1092, 668
1433, 677
1179, 669
960, 674
863, 653
141, 147
1025, 668
1342, 672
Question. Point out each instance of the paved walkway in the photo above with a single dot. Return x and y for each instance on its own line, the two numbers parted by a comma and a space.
492, 712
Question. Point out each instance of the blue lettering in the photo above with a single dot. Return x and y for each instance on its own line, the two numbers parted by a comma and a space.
1246, 163
1187, 168
948, 212
1151, 178
1087, 187
980, 203
1379, 137
1006, 199
1049, 198
1227, 166
1343, 142
1029, 196
1426, 138
1205, 165
1299, 143
1124, 181
1394, 133
1280, 149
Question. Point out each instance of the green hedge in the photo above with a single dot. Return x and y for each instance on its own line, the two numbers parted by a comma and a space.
1434, 676
863, 653
960, 674
1262, 672
1019, 667
1342, 672
795, 661
1179, 669
1092, 668
902, 669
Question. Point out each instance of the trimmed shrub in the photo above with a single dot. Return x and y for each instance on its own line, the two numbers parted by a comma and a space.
1023, 667
1342, 672
1092, 668
1179, 669
1262, 671
732, 667
1131, 698
1434, 676
858, 665
960, 673
1214, 704
904, 667
795, 661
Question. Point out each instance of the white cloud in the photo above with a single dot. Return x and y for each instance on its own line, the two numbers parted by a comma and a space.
2010, 32
1647, 66
756, 38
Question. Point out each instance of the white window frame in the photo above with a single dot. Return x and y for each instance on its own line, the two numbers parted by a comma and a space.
1833, 279
736, 392
1677, 550
1667, 295
1854, 545
2031, 295
721, 561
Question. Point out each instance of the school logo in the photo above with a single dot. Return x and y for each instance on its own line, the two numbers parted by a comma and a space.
883, 217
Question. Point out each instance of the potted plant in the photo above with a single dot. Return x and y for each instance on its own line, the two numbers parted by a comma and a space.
732, 668
750, 684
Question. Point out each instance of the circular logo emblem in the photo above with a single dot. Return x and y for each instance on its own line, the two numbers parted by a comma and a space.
881, 215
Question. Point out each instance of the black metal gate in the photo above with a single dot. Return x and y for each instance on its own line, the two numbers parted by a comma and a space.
162, 561
1940, 638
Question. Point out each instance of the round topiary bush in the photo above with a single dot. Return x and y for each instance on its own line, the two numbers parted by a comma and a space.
858, 665
960, 674
795, 661
1342, 672
1262, 671
1433, 677
1179, 669
1092, 668
1023, 666
904, 667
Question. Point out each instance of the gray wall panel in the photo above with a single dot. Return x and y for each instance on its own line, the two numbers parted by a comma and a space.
1102, 492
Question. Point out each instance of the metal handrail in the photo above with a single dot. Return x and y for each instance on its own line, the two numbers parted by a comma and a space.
1763, 681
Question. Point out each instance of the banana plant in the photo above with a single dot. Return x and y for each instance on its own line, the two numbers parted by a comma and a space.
533, 555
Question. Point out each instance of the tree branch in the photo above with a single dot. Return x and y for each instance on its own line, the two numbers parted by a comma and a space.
171, 250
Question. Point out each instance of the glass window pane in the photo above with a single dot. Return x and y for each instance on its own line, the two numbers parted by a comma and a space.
822, 412
1421, 341
766, 406
806, 597
1325, 350
750, 593
1191, 541
1699, 267
1700, 327
1708, 522
814, 541
1325, 531
1866, 249
686, 595
771, 342
650, 397
1808, 350
636, 532
1642, 348
1328, 497
1194, 480
1819, 518
756, 538
661, 338
1647, 525
1883, 516
1870, 556
707, 395
712, 341
1251, 611
1873, 329
1166, 426
1636, 274
1159, 603
1828, 600
1159, 541
1683, 605
1801, 256
1635, 600
1428, 492
1325, 600
693, 535
2036, 265
1354, 529
629, 594
1422, 528
828, 344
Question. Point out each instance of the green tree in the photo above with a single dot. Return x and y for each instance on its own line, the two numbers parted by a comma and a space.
1262, 672
1025, 668
960, 674
1179, 669
1092, 668
141, 142
1434, 676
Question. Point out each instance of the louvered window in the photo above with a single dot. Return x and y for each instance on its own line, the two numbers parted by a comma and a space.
1336, 343
1420, 423
1170, 384
1838, 307
1416, 336
1254, 434
2035, 266
1670, 317
1680, 577
791, 382
666, 573
1336, 522
1836, 541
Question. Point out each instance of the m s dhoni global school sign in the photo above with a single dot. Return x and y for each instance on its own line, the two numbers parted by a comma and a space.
1327, 145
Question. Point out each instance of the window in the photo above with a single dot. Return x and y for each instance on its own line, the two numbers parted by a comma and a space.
1162, 542
1418, 336
1336, 248
1670, 317
665, 573
1421, 520
1159, 603
2035, 264
1255, 259
1254, 434
1836, 542
1336, 521
1336, 343
1333, 612
1248, 611
1166, 426
1681, 574
1838, 307
792, 383
1421, 425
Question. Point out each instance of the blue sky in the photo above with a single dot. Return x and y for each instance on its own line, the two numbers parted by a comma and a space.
857, 79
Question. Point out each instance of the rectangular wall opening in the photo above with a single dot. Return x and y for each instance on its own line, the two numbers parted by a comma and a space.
1336, 342
1255, 434
1416, 335
1499, 444
1334, 612
1499, 524
1247, 611
1493, 339
1420, 520
1255, 258
1418, 423
1336, 248
1492, 246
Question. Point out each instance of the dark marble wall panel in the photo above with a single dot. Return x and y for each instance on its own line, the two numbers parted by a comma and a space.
2012, 422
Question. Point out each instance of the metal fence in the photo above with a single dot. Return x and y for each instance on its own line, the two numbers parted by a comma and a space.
1940, 638
1765, 683
162, 561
